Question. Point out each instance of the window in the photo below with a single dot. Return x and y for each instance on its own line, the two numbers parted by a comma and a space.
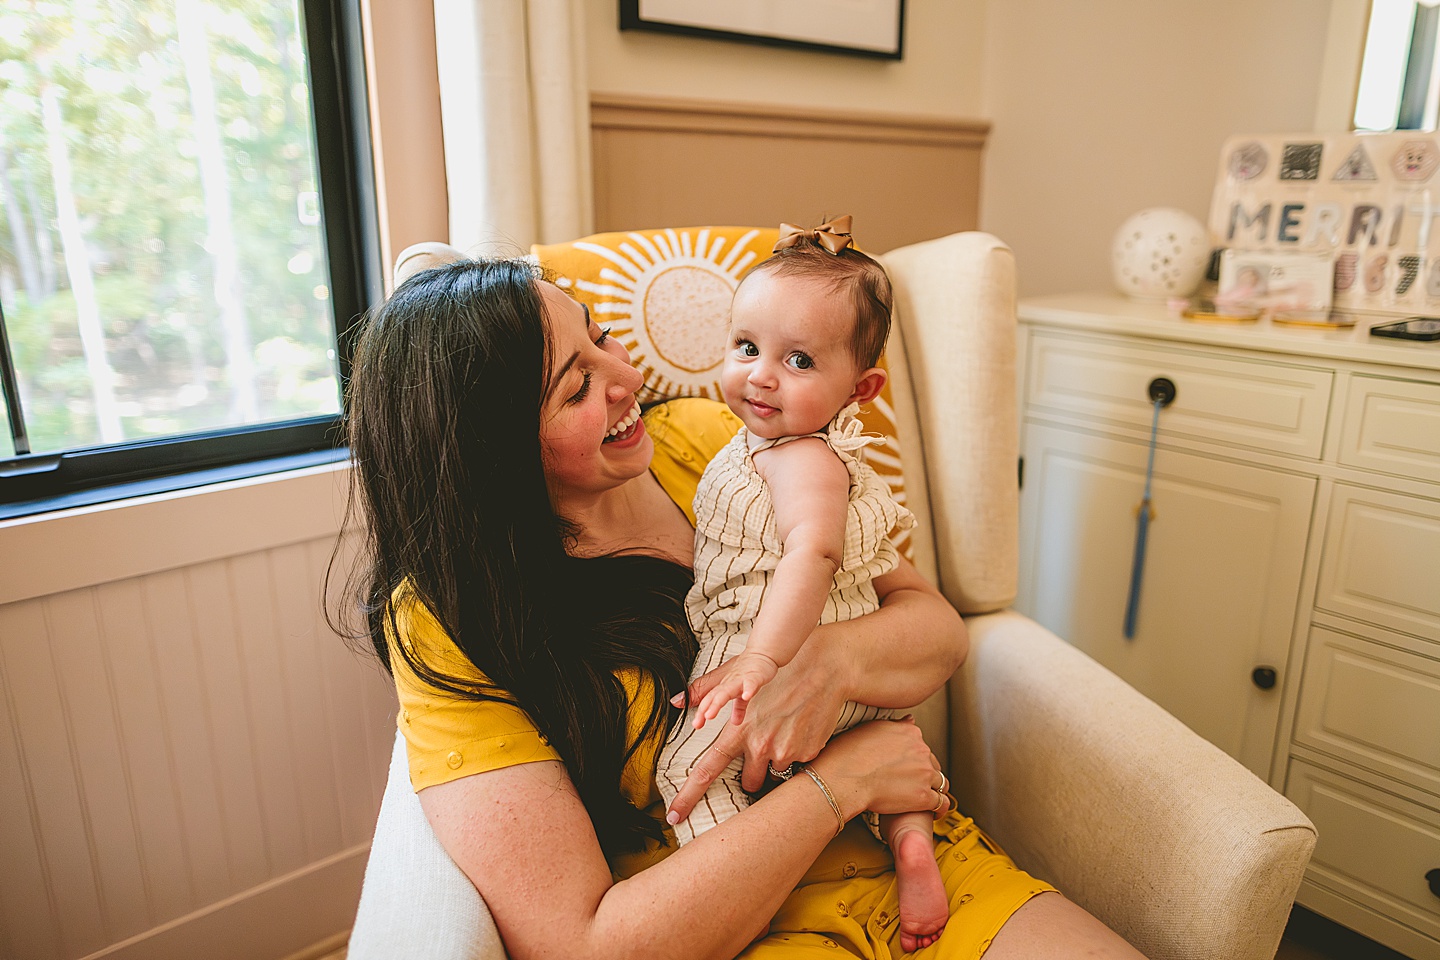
187, 233
1399, 85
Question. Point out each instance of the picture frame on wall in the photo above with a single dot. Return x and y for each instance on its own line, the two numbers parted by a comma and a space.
862, 28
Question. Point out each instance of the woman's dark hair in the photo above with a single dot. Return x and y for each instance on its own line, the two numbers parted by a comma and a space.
445, 399
850, 273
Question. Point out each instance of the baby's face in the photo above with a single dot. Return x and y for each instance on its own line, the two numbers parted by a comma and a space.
788, 369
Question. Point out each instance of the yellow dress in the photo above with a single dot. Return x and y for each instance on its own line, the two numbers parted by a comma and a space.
846, 905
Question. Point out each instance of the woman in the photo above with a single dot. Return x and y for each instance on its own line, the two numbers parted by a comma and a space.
529, 547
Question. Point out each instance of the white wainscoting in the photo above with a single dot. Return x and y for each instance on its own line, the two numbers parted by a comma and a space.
190, 760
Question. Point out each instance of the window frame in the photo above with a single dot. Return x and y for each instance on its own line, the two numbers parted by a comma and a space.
1416, 93
39, 483
1419, 71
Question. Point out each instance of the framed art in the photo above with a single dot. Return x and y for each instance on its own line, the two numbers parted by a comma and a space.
864, 28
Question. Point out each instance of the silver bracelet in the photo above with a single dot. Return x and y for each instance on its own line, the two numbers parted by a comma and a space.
829, 798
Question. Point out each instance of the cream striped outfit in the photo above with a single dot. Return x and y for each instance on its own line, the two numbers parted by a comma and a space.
736, 552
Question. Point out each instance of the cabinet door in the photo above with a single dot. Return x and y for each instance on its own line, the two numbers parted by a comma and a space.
1221, 576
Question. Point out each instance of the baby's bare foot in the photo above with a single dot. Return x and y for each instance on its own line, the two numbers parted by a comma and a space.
924, 907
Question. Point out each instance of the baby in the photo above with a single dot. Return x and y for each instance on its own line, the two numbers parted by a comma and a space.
788, 514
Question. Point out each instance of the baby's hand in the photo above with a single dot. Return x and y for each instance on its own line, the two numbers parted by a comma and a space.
737, 679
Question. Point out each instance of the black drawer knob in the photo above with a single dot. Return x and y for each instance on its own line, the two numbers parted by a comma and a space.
1433, 878
1162, 391
1263, 677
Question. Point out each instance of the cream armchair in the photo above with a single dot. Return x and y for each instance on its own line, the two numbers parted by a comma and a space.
1085, 782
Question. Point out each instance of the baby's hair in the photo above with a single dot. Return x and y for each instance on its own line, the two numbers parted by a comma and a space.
850, 272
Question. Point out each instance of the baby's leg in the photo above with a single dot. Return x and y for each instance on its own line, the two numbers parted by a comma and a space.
722, 799
924, 906
719, 641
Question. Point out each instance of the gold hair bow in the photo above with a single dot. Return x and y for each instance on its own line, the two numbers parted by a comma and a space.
833, 235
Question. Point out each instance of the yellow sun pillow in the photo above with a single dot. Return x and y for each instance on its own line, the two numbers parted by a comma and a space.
665, 294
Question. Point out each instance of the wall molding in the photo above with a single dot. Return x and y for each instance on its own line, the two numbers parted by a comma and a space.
667, 161
616, 111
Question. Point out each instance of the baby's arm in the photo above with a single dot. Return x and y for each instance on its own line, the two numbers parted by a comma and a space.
809, 487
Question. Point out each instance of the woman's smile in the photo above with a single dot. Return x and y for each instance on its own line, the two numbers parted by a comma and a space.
628, 428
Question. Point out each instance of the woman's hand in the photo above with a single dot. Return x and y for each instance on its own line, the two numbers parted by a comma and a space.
736, 681
791, 718
894, 657
884, 766
788, 722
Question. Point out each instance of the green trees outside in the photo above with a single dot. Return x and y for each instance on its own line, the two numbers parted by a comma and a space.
162, 265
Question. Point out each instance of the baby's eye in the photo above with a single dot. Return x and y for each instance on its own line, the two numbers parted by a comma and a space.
801, 361
604, 335
747, 349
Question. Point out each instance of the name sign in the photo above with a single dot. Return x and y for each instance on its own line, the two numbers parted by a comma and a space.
1365, 199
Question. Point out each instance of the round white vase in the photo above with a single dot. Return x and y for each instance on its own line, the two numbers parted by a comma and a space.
1159, 253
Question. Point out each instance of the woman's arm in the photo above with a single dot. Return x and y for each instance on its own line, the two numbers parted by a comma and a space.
524, 839
894, 657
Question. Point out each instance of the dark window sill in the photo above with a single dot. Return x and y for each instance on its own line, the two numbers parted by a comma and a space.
172, 483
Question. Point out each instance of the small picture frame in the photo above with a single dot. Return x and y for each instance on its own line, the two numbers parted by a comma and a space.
861, 28
1278, 283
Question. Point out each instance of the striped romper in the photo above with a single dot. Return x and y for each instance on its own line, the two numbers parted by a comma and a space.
736, 552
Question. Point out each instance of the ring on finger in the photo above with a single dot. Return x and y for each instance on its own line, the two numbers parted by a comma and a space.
939, 802
784, 774
944, 782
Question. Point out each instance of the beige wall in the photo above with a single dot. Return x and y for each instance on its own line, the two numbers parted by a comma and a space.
1098, 109
1105, 108
940, 75
940, 78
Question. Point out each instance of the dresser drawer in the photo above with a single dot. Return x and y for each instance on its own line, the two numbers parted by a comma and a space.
1373, 705
1393, 426
1263, 405
1382, 560
1374, 847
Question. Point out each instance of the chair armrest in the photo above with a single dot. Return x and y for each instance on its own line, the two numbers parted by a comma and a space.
416, 903
1096, 789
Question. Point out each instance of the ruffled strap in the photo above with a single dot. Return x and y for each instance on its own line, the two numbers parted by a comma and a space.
843, 433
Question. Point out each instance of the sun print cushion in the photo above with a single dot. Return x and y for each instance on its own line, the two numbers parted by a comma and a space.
665, 294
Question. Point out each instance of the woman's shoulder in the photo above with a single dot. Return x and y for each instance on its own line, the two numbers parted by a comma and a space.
694, 424
687, 433
448, 736
419, 631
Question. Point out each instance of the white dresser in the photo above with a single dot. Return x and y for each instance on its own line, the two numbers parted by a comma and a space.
1289, 609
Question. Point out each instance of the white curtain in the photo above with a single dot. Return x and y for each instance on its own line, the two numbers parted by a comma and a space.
515, 107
